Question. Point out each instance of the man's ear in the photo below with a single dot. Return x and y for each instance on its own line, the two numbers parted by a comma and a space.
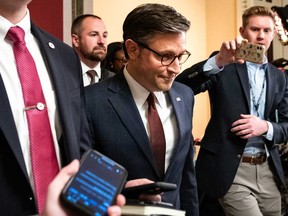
75, 40
274, 32
241, 30
132, 48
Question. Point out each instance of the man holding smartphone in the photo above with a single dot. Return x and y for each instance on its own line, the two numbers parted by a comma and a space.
54, 206
238, 162
120, 108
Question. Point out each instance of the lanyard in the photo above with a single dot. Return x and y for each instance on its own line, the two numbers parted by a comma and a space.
256, 104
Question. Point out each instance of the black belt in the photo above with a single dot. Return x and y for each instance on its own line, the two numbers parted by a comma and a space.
254, 160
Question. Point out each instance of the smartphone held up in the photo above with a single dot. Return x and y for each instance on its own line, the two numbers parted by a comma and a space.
251, 52
95, 186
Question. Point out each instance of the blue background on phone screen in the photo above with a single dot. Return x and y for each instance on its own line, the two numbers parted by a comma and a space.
94, 187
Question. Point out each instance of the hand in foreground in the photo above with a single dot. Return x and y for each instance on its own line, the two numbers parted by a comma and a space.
144, 197
227, 52
53, 205
249, 126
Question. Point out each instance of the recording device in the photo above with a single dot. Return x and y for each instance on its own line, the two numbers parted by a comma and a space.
95, 186
150, 189
251, 52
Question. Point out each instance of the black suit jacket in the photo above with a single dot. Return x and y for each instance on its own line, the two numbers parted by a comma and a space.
16, 196
119, 133
105, 73
221, 150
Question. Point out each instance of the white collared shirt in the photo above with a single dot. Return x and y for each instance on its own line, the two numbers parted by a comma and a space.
165, 111
86, 78
12, 84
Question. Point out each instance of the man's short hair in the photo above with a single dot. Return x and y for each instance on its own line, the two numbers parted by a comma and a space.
256, 11
146, 20
77, 22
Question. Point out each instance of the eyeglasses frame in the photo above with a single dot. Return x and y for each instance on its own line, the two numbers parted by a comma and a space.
186, 52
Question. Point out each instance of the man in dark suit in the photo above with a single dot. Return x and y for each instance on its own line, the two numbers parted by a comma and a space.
238, 160
155, 46
89, 39
59, 68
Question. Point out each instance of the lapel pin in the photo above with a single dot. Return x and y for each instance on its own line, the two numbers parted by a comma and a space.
178, 99
51, 45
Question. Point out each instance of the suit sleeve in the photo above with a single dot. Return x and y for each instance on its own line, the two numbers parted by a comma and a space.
195, 78
281, 104
188, 188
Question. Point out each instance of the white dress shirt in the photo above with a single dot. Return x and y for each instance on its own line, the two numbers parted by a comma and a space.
164, 109
86, 78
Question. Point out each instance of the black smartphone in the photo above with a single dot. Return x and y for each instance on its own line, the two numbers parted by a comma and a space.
151, 188
95, 186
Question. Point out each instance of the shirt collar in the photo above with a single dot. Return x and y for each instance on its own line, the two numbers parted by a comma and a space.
255, 65
5, 25
139, 93
85, 68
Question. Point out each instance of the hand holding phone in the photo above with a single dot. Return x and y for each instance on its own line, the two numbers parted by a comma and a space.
95, 186
251, 52
149, 189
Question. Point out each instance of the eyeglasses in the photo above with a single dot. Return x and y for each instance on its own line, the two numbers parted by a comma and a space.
168, 59
124, 61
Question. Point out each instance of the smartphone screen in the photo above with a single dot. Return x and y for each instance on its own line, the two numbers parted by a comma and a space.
95, 186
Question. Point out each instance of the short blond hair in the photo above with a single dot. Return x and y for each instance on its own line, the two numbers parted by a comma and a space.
256, 11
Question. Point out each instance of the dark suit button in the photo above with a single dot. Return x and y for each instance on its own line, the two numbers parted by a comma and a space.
239, 156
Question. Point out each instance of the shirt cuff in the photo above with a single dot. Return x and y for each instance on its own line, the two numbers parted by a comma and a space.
269, 134
210, 68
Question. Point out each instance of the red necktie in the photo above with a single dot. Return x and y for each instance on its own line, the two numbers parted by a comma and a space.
157, 137
42, 151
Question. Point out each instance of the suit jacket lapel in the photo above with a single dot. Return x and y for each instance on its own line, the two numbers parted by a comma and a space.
270, 77
178, 108
125, 106
178, 104
244, 80
8, 128
55, 69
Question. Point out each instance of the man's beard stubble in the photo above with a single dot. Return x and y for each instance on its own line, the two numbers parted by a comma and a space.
94, 56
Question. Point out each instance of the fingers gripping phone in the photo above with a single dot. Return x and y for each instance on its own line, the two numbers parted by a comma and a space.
149, 189
251, 52
95, 186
